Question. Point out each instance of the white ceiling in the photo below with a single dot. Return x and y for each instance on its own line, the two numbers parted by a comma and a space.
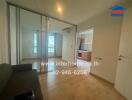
73, 11
56, 26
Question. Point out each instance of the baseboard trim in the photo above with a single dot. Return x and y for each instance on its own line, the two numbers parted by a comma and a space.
102, 79
112, 84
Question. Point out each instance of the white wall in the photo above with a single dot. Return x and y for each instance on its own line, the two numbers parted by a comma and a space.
106, 38
123, 81
13, 35
68, 46
3, 33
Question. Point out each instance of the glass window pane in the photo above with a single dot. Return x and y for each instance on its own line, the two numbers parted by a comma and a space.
51, 40
35, 42
35, 49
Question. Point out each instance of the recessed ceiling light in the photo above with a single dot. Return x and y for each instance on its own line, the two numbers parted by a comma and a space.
59, 9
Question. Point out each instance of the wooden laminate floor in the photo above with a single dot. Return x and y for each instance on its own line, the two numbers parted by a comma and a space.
58, 86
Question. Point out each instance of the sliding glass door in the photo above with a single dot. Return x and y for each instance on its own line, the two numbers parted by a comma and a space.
27, 38
30, 38
36, 39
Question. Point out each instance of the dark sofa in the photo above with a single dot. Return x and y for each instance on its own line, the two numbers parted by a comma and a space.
18, 79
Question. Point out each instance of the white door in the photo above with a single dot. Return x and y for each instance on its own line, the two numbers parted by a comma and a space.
123, 81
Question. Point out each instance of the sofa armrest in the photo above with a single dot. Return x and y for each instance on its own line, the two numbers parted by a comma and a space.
22, 67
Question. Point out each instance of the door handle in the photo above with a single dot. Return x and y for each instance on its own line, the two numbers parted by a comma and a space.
121, 57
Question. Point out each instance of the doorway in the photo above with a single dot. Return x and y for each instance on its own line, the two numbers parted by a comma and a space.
84, 49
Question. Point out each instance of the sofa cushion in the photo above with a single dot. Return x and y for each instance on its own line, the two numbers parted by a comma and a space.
5, 74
